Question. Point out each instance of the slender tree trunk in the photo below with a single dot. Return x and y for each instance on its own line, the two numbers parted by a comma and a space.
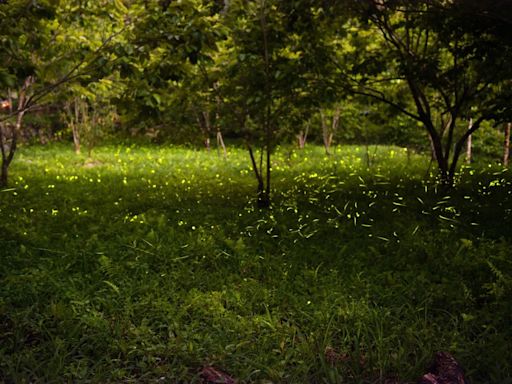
9, 149
206, 120
4, 176
5, 131
325, 133
328, 134
469, 150
88, 120
300, 140
264, 198
335, 124
506, 144
203, 120
459, 148
220, 139
75, 127
3, 147
436, 146
442, 162
469, 145
220, 142
265, 202
432, 149
76, 138
302, 137
447, 133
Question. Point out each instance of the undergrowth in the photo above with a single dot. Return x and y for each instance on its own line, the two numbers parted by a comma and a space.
145, 264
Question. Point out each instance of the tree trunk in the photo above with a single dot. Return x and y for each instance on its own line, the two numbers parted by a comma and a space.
432, 149
442, 162
469, 144
328, 134
302, 137
76, 138
220, 139
329, 140
325, 133
264, 201
469, 153
3, 147
300, 140
220, 142
459, 148
263, 198
506, 144
335, 124
206, 119
4, 175
9, 149
75, 127
203, 120
263, 195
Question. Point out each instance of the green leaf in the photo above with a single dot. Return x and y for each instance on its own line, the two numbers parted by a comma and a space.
120, 6
114, 287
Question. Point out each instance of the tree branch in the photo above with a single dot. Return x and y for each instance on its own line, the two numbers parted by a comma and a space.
69, 76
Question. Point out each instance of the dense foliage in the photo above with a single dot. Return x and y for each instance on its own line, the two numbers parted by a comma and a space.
424, 74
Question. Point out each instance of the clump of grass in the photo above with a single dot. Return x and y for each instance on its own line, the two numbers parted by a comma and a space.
149, 263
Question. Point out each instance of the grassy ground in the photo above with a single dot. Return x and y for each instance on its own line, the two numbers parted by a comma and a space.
148, 263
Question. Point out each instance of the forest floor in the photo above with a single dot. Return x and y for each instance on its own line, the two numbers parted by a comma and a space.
150, 263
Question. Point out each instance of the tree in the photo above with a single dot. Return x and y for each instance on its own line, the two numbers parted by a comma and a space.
9, 130
22, 35
257, 52
444, 72
268, 76
42, 49
164, 61
204, 99
83, 37
89, 113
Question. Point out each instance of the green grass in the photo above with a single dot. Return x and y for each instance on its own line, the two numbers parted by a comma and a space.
148, 263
